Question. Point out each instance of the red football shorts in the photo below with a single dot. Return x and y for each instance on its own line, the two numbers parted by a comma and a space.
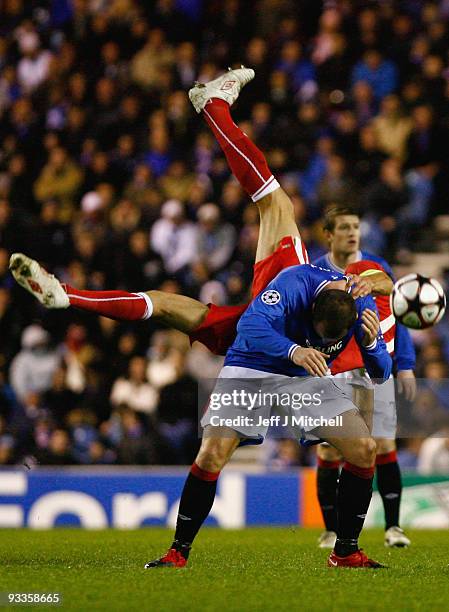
219, 328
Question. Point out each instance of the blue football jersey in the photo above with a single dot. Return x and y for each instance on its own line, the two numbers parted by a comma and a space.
280, 318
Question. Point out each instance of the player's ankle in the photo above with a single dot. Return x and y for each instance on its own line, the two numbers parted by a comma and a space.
182, 547
346, 546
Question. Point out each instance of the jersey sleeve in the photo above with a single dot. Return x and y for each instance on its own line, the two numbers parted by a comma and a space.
378, 362
363, 267
384, 265
262, 327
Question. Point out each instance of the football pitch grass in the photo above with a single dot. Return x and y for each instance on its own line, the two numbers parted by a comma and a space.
252, 569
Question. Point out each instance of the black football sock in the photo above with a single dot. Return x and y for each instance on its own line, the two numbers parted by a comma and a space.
196, 502
389, 484
326, 480
355, 488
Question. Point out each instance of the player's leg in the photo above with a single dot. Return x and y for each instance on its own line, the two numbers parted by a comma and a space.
329, 460
389, 483
328, 470
354, 487
388, 473
247, 162
177, 311
277, 221
198, 493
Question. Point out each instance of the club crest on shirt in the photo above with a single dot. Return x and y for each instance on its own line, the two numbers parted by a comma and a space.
270, 297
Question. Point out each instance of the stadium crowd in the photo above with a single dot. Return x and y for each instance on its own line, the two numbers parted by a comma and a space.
110, 180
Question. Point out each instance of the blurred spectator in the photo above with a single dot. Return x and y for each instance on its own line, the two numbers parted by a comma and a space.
77, 354
147, 64
134, 391
81, 424
34, 67
388, 194
392, 127
378, 72
61, 179
336, 186
143, 268
174, 238
58, 451
178, 416
434, 454
53, 246
59, 399
136, 445
32, 369
216, 240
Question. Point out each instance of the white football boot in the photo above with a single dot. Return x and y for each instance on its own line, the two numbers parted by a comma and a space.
327, 539
396, 538
44, 286
226, 87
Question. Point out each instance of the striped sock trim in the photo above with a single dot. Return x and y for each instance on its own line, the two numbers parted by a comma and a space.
328, 465
385, 458
149, 303
196, 471
270, 186
366, 473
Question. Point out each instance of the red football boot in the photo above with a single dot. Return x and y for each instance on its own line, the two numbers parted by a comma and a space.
172, 558
357, 559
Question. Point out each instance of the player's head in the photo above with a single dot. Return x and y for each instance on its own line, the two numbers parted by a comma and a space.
334, 313
342, 230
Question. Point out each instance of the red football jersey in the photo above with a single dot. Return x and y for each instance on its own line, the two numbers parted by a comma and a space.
351, 358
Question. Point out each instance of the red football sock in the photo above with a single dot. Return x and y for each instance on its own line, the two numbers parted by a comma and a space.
119, 305
246, 161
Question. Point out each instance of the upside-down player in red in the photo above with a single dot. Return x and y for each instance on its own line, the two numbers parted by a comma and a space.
279, 246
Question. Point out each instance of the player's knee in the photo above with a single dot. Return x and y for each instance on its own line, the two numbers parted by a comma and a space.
385, 445
328, 453
213, 455
364, 453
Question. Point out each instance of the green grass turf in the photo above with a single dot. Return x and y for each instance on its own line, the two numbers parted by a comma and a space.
253, 569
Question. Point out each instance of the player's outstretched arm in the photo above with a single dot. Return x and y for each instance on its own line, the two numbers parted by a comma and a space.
374, 282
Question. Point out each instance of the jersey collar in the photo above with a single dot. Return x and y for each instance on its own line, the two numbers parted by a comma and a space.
332, 264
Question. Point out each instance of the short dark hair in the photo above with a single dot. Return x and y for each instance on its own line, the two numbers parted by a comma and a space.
331, 215
336, 309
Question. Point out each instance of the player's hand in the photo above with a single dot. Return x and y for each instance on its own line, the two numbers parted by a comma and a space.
407, 384
370, 325
313, 361
360, 286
